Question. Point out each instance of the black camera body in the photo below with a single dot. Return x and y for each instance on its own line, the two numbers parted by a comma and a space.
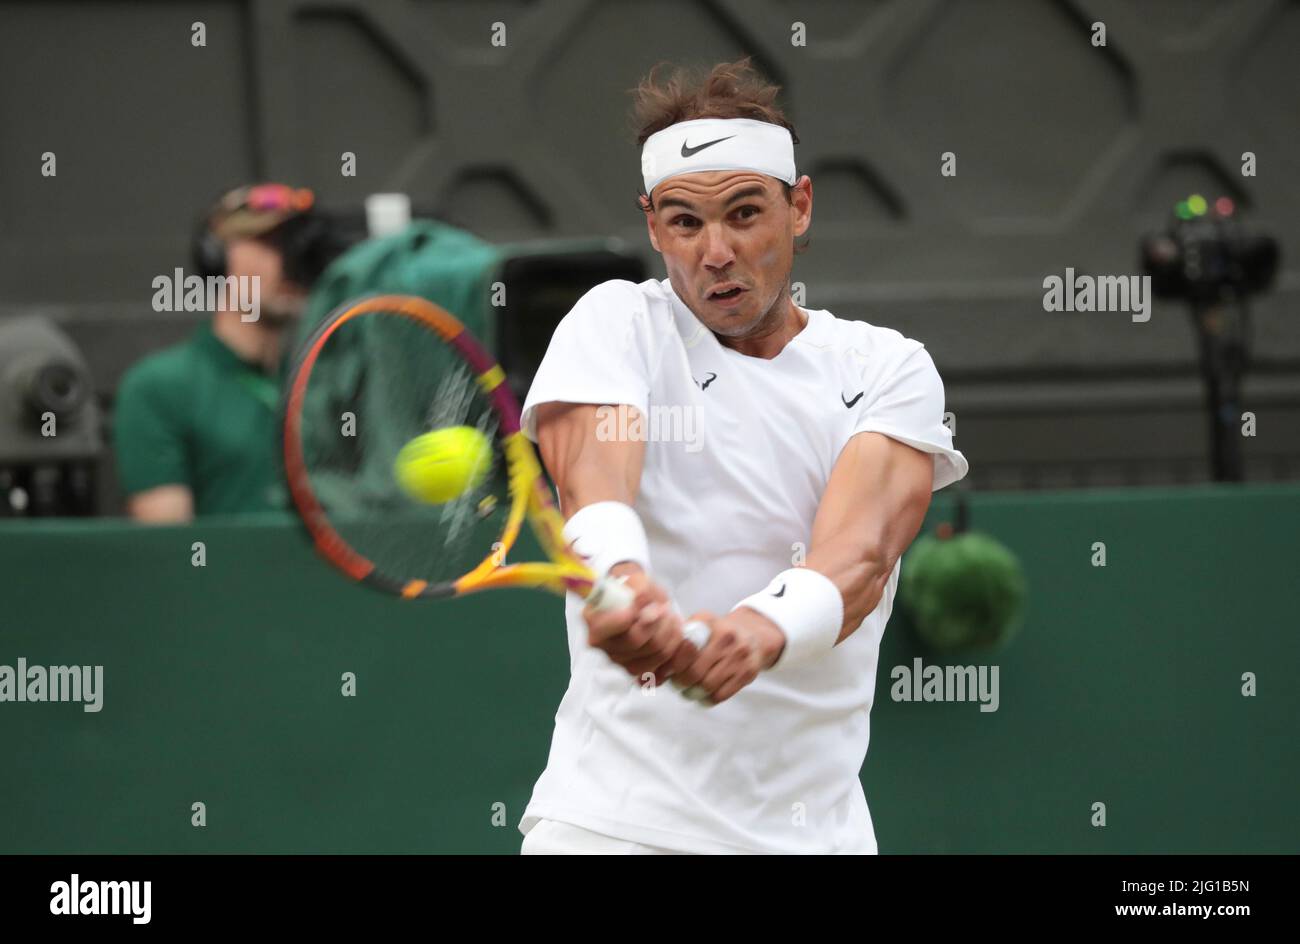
1207, 257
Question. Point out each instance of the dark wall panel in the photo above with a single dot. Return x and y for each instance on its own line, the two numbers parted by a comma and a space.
1067, 154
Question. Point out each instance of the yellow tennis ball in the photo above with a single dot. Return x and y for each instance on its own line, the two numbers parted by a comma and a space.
443, 465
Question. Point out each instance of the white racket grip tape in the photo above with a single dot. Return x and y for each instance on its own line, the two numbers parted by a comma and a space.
611, 593
697, 634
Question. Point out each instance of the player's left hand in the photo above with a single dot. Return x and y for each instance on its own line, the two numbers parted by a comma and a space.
741, 644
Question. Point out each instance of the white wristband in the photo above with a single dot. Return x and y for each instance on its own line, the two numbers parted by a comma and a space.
809, 609
608, 533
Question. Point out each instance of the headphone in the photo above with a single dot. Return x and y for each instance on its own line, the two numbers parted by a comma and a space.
208, 250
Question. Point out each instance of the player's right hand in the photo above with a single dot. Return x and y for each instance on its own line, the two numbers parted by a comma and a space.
642, 637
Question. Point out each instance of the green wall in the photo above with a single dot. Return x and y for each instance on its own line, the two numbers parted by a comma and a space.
222, 684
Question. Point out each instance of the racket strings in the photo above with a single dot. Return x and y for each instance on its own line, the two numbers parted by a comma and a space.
453, 405
397, 379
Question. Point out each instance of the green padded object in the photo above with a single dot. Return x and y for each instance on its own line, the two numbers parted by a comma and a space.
449, 266
962, 592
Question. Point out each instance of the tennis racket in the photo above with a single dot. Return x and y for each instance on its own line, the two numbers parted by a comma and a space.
375, 374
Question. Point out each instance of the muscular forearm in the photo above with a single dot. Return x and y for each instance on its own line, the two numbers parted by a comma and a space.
873, 507
860, 574
588, 482
585, 468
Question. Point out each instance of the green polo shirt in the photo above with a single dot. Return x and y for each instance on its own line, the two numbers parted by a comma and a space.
196, 414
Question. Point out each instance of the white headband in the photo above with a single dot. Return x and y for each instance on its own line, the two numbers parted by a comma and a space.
717, 144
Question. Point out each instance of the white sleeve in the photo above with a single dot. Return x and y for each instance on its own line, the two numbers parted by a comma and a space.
907, 404
601, 352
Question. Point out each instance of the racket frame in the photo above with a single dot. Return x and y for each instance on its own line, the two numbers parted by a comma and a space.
530, 495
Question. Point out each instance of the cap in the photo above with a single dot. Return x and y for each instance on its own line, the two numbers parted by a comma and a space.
257, 209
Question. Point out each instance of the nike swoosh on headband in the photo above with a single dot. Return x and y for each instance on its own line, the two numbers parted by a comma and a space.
687, 150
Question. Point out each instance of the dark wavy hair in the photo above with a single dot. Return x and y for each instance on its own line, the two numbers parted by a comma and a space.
728, 90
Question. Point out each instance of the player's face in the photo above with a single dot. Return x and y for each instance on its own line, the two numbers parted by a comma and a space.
727, 239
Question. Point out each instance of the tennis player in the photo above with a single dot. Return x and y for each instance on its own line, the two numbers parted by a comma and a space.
816, 443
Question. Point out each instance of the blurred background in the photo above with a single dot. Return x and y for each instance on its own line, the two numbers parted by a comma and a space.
502, 127
1067, 155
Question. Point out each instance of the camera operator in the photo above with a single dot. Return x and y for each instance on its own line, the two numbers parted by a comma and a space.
194, 423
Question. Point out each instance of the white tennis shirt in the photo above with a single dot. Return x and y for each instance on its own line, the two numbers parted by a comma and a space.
739, 450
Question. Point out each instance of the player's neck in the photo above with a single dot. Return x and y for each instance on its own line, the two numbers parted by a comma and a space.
786, 319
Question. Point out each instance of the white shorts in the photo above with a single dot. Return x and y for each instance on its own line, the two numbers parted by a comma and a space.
551, 837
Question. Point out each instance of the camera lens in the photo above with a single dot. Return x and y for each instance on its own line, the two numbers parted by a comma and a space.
54, 386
